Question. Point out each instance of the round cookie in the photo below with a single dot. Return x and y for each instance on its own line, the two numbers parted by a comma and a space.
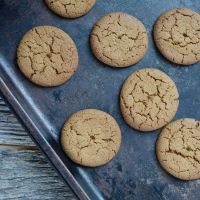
47, 56
119, 40
177, 36
149, 99
70, 9
91, 137
178, 149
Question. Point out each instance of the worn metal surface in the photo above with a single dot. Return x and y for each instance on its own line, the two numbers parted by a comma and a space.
135, 172
24, 171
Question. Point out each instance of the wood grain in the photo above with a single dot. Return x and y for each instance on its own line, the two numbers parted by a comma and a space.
24, 171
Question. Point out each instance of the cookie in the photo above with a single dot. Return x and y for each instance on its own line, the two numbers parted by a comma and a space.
91, 137
70, 9
119, 40
177, 36
178, 149
47, 56
149, 99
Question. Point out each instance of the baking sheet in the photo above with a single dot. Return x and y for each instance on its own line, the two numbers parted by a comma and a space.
135, 172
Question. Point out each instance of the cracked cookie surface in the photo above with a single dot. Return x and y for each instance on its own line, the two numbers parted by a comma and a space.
70, 8
149, 99
91, 137
178, 149
177, 36
47, 56
119, 40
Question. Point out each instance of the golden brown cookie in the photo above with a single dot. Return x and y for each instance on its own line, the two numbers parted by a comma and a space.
149, 99
91, 137
119, 40
178, 149
177, 36
70, 8
47, 56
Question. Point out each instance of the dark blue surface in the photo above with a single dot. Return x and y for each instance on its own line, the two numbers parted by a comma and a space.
135, 172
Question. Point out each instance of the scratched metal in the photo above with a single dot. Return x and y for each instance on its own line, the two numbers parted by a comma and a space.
135, 172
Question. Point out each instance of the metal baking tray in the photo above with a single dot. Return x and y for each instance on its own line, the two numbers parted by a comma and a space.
135, 172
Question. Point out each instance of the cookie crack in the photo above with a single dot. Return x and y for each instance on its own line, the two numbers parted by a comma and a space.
114, 36
180, 46
186, 152
153, 106
46, 54
93, 139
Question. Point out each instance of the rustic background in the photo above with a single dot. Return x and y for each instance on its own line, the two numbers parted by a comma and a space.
24, 171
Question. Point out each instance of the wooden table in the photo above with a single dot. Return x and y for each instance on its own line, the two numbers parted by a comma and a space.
24, 171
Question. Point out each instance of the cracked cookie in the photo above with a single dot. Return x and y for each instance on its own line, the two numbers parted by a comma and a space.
70, 8
149, 99
47, 56
91, 137
177, 36
178, 149
119, 40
